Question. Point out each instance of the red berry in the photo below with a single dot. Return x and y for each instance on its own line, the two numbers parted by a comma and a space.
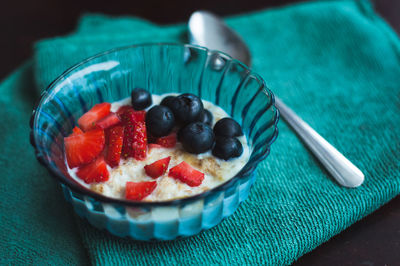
84, 147
89, 119
139, 116
96, 171
185, 173
154, 146
167, 141
139, 190
76, 131
140, 141
135, 135
123, 109
115, 136
158, 168
110, 120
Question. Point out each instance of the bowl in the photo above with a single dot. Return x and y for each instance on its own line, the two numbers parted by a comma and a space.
159, 68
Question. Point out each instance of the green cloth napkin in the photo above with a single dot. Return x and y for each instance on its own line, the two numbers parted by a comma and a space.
336, 63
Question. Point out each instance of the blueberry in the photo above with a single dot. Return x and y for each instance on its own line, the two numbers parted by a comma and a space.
196, 137
187, 107
227, 127
159, 121
167, 101
227, 148
141, 99
206, 117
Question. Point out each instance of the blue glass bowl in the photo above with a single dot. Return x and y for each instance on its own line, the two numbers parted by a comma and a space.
159, 68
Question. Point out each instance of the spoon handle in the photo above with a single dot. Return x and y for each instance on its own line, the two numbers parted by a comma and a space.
345, 173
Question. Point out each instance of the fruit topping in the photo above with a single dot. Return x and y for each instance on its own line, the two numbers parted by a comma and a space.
140, 141
160, 120
185, 173
187, 107
88, 120
129, 133
154, 146
227, 127
139, 116
123, 109
82, 148
135, 135
206, 117
227, 148
141, 99
196, 137
139, 190
110, 120
167, 101
127, 113
95, 171
76, 131
115, 136
167, 141
158, 168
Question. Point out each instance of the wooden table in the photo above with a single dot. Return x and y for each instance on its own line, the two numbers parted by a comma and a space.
375, 240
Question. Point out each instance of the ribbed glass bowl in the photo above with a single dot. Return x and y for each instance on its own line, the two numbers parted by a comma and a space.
159, 68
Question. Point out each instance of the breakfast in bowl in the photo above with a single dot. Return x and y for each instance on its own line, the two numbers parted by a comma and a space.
155, 141
155, 147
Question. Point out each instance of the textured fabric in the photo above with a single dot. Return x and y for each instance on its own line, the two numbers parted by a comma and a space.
36, 224
336, 63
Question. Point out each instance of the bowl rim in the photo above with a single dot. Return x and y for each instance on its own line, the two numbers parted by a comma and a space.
80, 189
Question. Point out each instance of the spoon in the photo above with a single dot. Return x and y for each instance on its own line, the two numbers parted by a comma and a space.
208, 30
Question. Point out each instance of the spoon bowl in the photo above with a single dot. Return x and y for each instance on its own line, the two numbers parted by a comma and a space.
207, 29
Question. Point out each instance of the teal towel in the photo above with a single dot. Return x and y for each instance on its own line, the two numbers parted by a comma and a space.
336, 63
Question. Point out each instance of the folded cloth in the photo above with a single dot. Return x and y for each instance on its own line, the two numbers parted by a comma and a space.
336, 63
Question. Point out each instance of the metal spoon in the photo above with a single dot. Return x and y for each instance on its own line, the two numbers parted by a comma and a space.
207, 29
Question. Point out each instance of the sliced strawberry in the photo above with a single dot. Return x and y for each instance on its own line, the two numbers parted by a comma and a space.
158, 168
139, 116
83, 148
154, 146
139, 190
129, 129
95, 171
135, 135
185, 173
140, 141
89, 119
167, 141
115, 136
123, 109
108, 121
76, 131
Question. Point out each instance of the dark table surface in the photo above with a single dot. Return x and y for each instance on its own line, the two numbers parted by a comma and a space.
375, 240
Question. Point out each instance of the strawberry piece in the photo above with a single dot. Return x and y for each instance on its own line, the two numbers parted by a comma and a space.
83, 148
123, 109
139, 190
115, 136
139, 116
140, 141
167, 141
89, 119
129, 129
158, 168
96, 171
135, 135
185, 173
76, 131
154, 146
110, 120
